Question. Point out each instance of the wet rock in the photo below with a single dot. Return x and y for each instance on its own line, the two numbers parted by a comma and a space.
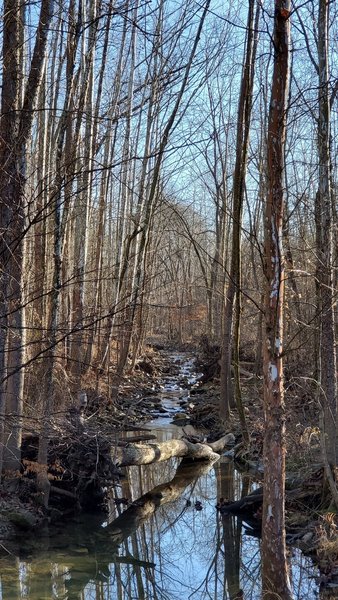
180, 415
146, 366
22, 518
196, 391
307, 537
180, 418
184, 382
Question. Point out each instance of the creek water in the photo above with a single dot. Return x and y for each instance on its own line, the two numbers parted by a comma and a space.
181, 550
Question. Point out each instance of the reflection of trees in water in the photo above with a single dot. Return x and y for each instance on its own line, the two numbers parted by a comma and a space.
198, 554
231, 531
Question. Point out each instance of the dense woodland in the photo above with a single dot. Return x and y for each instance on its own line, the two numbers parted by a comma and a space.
168, 172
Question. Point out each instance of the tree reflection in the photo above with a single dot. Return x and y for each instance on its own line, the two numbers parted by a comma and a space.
231, 531
160, 548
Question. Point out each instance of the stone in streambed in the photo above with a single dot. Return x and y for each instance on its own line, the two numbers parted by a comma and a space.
180, 418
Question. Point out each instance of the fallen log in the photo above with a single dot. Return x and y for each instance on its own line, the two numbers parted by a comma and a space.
251, 503
135, 439
145, 454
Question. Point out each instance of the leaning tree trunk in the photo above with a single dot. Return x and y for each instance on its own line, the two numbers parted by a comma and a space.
274, 567
145, 454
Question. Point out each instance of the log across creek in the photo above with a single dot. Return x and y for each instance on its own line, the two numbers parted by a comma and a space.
145, 454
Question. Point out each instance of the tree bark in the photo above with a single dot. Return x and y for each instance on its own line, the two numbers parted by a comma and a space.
8, 182
242, 146
15, 133
275, 578
145, 454
327, 375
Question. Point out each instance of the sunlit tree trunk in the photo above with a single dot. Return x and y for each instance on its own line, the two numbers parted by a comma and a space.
108, 145
82, 202
274, 567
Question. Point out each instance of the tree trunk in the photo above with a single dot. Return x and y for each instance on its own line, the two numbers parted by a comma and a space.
274, 567
82, 204
242, 146
54, 298
15, 134
145, 454
327, 359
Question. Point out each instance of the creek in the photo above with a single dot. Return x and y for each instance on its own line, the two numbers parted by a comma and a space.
182, 550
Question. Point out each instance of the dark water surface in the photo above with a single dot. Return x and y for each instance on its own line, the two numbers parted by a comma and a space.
181, 550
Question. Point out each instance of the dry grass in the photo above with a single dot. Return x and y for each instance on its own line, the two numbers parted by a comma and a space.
327, 533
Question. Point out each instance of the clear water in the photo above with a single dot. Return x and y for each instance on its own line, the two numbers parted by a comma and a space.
169, 552
174, 553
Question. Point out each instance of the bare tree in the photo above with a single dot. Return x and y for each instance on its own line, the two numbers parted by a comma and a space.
327, 374
15, 131
274, 567
242, 146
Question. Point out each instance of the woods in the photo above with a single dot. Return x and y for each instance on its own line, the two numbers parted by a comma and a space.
168, 175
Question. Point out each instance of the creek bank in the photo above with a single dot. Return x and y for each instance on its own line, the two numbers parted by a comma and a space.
316, 535
89, 446
82, 466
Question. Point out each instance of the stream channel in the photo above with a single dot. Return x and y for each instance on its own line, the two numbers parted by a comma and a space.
184, 550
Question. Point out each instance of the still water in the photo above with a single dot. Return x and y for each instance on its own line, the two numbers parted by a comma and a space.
178, 549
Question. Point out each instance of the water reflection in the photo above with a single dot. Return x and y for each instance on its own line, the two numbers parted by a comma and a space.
172, 545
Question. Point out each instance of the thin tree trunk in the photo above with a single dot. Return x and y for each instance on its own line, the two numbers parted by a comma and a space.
274, 566
242, 146
327, 360
81, 206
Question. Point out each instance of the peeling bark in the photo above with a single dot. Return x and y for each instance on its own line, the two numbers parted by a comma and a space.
275, 580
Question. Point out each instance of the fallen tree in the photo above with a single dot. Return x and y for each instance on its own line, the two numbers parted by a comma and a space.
82, 466
145, 454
